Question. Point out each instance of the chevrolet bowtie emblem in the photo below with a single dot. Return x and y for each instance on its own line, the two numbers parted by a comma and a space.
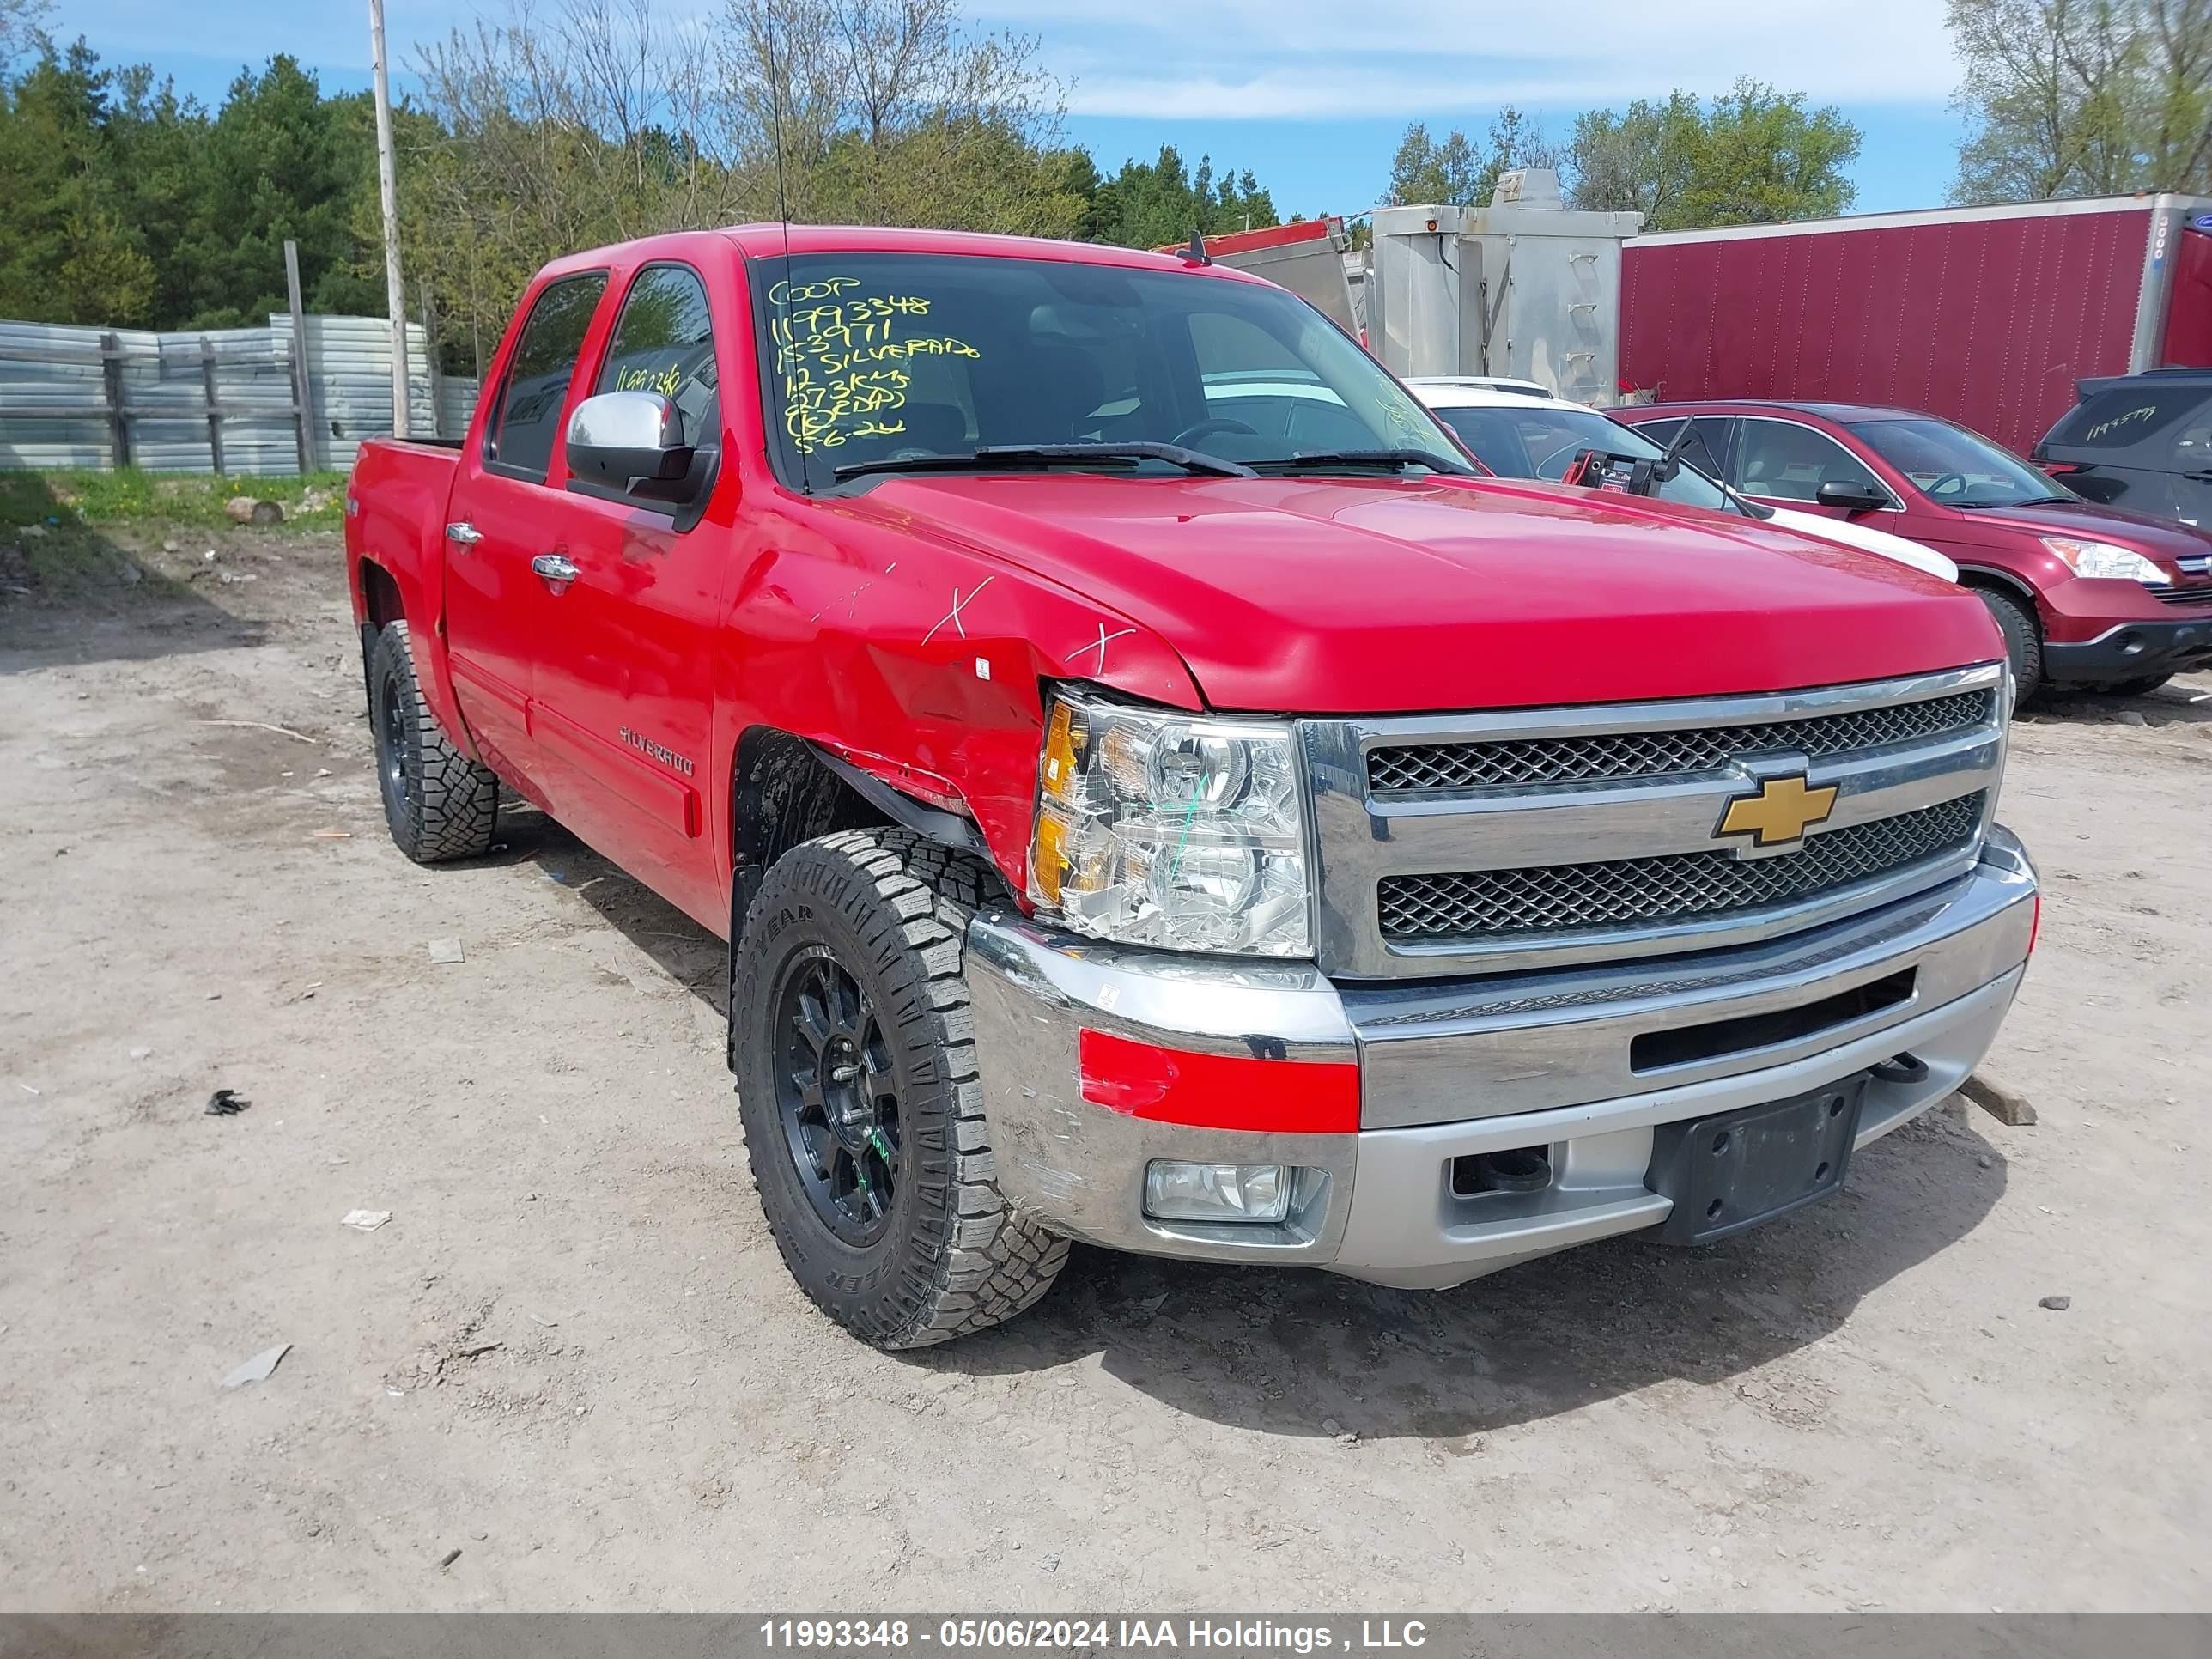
1782, 810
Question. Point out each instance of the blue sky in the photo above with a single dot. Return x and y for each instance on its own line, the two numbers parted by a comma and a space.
1310, 94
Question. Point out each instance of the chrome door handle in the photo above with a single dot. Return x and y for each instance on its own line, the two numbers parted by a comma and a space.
554, 568
465, 534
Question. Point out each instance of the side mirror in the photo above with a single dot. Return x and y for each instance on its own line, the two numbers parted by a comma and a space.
1849, 497
631, 443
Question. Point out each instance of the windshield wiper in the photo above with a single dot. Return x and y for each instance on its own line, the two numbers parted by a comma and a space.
1396, 459
994, 456
2032, 501
1190, 460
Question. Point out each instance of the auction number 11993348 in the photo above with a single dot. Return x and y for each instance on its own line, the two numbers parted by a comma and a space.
1104, 1635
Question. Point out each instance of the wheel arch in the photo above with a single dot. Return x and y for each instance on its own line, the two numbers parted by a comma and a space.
2001, 581
380, 606
380, 602
786, 789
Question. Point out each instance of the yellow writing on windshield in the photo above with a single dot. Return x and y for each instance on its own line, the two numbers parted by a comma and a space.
665, 382
842, 356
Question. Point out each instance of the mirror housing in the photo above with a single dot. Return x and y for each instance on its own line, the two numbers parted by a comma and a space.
631, 444
1849, 497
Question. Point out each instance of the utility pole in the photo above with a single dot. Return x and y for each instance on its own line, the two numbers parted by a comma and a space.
395, 287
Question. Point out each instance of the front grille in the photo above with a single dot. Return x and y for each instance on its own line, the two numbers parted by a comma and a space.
1450, 768
2184, 595
1678, 887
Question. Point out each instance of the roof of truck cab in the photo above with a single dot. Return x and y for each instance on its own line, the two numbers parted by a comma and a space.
768, 241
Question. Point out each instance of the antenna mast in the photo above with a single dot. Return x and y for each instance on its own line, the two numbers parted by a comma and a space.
395, 287
779, 335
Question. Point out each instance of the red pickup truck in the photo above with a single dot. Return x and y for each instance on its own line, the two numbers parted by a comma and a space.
1159, 794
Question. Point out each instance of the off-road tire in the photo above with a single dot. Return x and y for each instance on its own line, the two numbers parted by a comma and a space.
2023, 638
438, 803
892, 908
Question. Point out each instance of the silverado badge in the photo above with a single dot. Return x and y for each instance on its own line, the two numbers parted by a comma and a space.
1782, 812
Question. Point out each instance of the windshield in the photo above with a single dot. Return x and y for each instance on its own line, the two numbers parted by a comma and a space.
1542, 443
892, 358
1956, 467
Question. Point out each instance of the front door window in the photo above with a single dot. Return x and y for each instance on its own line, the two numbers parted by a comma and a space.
1781, 461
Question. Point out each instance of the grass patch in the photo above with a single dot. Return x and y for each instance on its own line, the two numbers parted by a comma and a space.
131, 497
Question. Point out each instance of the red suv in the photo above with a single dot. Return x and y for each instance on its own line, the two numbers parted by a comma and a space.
2085, 594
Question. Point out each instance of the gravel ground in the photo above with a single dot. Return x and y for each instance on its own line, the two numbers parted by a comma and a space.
573, 1356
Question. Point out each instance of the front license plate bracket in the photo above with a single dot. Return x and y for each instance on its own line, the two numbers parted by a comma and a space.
1735, 1169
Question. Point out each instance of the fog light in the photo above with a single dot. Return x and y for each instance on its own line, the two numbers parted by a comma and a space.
1216, 1192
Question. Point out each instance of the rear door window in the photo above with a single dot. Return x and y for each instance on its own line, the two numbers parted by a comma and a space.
2124, 416
1708, 444
520, 435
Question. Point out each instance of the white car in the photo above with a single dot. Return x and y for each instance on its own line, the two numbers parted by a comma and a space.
1518, 431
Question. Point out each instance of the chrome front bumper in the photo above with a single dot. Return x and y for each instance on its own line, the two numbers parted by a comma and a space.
1452, 1068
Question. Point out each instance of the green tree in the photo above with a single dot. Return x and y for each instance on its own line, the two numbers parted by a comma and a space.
1766, 157
1644, 159
1427, 170
156, 159
1160, 204
589, 122
2174, 97
280, 161
1515, 140
2082, 97
65, 252
594, 122
21, 21
1450, 170
1757, 157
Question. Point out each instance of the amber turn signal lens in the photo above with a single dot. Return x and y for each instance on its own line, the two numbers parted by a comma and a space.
1049, 854
1059, 751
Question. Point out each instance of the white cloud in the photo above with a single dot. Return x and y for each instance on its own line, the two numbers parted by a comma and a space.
1277, 59
1262, 59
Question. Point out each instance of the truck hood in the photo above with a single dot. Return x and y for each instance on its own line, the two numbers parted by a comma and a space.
2159, 540
1336, 596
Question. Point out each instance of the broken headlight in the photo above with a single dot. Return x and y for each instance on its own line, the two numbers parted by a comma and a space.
1160, 828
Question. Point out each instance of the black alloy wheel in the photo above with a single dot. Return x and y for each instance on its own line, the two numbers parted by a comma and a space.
440, 803
837, 1095
395, 747
860, 1095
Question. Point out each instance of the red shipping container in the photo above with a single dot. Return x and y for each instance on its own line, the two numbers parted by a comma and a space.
1986, 316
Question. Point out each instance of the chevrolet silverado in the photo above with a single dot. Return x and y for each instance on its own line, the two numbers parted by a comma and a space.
1158, 791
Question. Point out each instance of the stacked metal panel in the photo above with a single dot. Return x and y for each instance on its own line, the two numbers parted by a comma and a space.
54, 405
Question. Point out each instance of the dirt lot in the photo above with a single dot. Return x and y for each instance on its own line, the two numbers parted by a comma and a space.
573, 1355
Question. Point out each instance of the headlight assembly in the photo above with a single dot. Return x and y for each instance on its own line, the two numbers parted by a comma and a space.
2104, 559
1184, 831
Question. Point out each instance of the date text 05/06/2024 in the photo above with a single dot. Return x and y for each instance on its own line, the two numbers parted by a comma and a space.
1240, 1636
